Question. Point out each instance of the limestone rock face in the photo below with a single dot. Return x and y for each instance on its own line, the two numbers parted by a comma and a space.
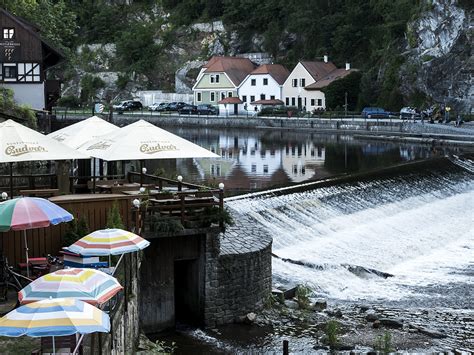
439, 56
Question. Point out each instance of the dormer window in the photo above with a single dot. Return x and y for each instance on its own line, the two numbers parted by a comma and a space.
8, 33
215, 79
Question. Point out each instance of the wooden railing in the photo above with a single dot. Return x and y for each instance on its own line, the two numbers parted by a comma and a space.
21, 182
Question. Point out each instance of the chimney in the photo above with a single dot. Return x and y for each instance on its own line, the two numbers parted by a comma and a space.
326, 58
348, 66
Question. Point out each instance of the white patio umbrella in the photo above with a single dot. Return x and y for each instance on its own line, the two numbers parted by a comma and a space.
141, 141
79, 133
83, 131
19, 143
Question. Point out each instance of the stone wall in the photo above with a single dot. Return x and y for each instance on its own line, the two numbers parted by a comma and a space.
238, 272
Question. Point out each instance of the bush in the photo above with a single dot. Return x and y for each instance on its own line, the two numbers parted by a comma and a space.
69, 101
214, 215
383, 343
114, 219
302, 296
77, 229
332, 333
165, 225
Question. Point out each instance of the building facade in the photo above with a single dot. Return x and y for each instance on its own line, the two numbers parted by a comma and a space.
24, 61
262, 85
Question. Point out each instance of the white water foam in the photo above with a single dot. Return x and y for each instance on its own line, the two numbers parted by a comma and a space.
420, 230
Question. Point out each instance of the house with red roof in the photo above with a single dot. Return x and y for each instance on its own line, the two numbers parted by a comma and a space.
263, 86
303, 87
219, 80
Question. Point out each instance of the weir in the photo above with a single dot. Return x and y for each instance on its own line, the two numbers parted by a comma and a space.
344, 237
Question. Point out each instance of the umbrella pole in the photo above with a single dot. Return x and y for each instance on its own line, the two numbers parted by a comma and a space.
54, 346
26, 251
11, 180
93, 177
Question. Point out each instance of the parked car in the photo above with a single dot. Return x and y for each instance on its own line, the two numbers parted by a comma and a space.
374, 112
207, 109
188, 109
129, 105
409, 113
157, 106
175, 106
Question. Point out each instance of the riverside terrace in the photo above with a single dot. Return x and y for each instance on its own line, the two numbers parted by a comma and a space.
156, 199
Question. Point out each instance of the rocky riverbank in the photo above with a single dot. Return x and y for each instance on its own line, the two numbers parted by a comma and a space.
329, 326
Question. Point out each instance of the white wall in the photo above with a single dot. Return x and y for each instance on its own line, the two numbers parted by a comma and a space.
246, 89
314, 94
28, 94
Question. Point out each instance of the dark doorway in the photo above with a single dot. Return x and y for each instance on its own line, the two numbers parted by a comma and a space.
236, 109
299, 103
187, 295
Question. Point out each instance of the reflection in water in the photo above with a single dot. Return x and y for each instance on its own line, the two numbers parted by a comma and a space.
259, 159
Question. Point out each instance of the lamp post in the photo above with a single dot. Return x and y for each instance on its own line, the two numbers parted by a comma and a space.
221, 203
136, 204
180, 180
141, 176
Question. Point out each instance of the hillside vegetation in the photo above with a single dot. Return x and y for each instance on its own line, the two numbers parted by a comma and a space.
152, 39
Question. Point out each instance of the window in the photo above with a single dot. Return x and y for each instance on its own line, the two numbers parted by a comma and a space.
215, 79
252, 99
262, 96
295, 83
265, 169
229, 94
302, 82
29, 72
8, 33
272, 97
320, 102
253, 82
265, 81
287, 101
244, 98
199, 97
312, 102
9, 71
222, 95
213, 96
293, 101
254, 168
305, 101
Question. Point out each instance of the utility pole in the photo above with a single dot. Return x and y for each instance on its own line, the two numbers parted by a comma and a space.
345, 104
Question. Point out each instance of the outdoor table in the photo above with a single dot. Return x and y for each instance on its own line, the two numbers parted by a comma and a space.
111, 188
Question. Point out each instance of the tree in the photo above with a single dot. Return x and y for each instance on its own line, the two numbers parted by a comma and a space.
336, 91
9, 107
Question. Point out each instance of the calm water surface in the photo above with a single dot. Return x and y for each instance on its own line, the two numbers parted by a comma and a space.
258, 159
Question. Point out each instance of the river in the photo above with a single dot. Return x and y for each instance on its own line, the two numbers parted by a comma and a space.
416, 226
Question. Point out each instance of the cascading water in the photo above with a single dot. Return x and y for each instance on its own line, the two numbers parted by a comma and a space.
418, 228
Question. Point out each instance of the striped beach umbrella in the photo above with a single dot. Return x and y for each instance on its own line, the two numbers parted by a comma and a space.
54, 317
88, 285
29, 213
108, 242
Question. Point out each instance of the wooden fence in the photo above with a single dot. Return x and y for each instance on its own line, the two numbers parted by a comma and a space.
43, 241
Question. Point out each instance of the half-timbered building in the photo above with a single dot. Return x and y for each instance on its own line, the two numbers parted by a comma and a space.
24, 60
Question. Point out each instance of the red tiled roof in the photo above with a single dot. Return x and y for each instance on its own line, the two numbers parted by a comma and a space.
277, 72
236, 68
230, 100
319, 70
268, 102
328, 79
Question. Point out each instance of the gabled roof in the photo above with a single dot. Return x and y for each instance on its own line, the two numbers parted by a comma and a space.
276, 71
231, 100
55, 57
328, 79
235, 68
318, 70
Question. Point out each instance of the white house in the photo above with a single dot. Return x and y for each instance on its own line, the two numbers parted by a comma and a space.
303, 86
263, 86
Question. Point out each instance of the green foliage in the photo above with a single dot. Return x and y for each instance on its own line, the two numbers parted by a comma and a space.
114, 219
302, 296
9, 107
383, 343
122, 81
214, 215
165, 225
336, 91
77, 229
332, 333
69, 101
89, 86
